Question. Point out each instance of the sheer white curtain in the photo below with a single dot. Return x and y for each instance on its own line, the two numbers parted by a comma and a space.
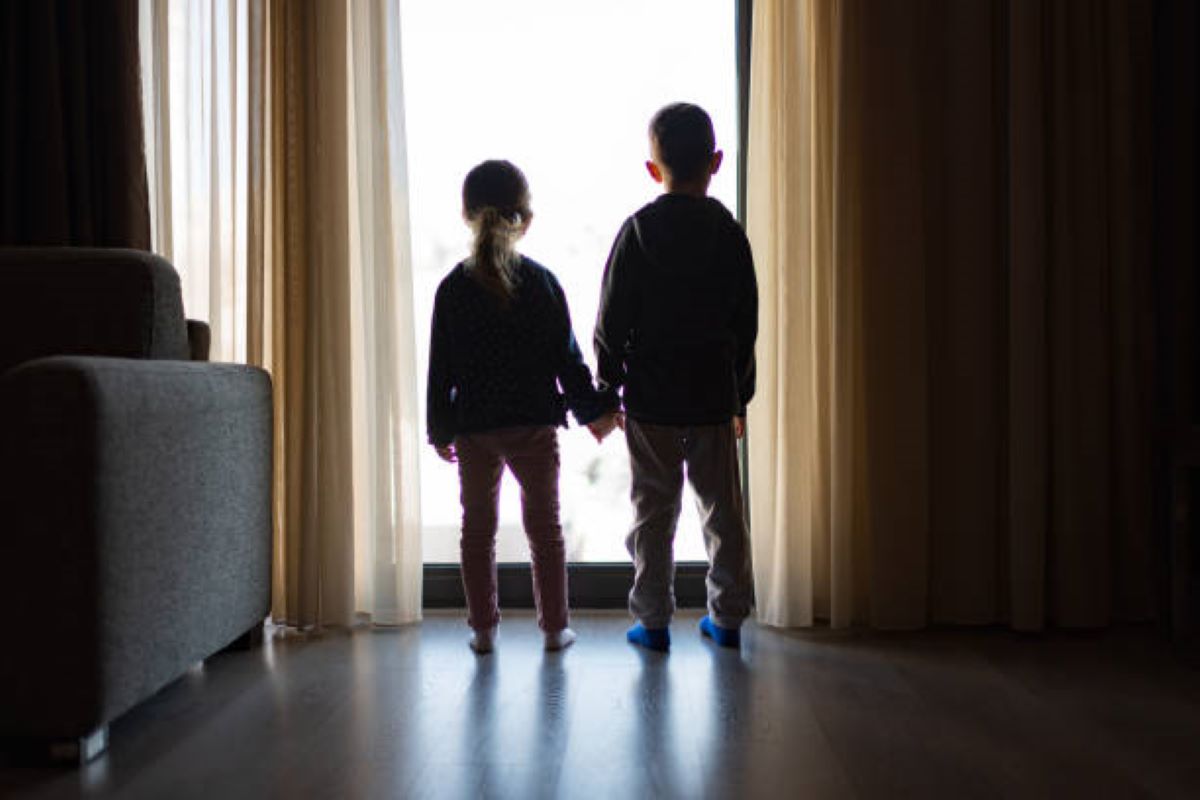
230, 164
387, 433
196, 95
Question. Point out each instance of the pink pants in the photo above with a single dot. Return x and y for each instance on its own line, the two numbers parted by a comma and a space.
532, 455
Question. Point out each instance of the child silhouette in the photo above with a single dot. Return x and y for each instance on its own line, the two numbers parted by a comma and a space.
501, 346
675, 333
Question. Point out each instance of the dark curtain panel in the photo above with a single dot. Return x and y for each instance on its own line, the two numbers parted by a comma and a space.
1177, 306
957, 209
1007, 186
72, 164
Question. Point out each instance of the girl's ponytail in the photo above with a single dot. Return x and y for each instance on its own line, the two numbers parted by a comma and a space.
494, 257
496, 206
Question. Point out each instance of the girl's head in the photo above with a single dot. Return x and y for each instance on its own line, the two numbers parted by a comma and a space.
496, 206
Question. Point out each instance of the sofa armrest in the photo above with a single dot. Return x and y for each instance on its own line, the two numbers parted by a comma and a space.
136, 505
199, 340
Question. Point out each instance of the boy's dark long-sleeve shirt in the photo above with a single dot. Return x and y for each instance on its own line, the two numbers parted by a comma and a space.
679, 314
494, 365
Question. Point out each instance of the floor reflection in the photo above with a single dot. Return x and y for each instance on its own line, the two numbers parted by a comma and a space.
413, 713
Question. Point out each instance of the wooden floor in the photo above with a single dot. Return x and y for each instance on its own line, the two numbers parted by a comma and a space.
412, 713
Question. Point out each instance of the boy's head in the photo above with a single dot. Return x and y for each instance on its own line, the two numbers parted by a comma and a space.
683, 148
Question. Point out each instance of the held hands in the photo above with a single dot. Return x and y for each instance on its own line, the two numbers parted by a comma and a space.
602, 426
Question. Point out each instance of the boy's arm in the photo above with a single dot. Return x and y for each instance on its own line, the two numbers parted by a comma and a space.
439, 408
745, 321
614, 321
574, 376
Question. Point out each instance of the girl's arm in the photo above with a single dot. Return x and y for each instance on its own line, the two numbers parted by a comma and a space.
574, 376
439, 405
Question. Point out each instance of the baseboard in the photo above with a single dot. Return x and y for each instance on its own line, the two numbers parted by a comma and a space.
589, 585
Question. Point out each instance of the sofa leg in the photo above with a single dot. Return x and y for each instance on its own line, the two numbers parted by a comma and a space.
81, 750
248, 640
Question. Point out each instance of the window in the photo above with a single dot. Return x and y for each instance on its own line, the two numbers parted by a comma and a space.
565, 91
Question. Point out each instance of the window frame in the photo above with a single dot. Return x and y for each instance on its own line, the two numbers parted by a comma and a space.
606, 584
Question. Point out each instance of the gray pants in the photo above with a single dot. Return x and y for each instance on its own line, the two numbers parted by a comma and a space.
657, 456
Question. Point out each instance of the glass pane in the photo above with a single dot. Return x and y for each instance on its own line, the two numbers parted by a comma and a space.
565, 90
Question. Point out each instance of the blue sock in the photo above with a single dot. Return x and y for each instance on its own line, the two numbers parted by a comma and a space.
650, 638
726, 637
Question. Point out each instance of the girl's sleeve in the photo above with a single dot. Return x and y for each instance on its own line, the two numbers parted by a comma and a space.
574, 376
439, 406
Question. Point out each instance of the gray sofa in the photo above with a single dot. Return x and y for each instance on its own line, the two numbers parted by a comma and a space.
135, 492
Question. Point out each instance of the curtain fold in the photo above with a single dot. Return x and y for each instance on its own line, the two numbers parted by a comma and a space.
72, 169
387, 502
805, 423
195, 86
948, 204
311, 309
286, 167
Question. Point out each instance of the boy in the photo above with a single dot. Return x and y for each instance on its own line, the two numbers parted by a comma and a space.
675, 333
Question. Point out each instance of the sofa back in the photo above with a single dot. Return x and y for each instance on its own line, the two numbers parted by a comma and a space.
88, 301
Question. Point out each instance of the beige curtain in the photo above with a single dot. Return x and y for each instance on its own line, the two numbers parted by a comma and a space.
297, 251
948, 206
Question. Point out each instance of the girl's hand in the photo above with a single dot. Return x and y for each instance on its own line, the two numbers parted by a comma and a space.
739, 427
447, 453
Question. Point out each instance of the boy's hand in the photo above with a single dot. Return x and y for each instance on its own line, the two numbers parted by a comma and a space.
447, 453
602, 426
739, 427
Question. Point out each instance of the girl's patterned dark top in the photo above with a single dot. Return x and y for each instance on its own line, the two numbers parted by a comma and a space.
499, 365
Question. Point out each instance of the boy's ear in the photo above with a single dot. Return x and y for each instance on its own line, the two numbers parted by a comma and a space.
654, 171
715, 164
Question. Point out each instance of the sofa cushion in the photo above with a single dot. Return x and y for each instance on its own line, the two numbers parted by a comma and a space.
88, 301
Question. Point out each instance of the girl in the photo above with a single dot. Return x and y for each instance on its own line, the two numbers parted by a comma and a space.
501, 346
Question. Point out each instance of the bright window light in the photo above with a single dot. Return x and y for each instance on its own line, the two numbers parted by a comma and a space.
565, 90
